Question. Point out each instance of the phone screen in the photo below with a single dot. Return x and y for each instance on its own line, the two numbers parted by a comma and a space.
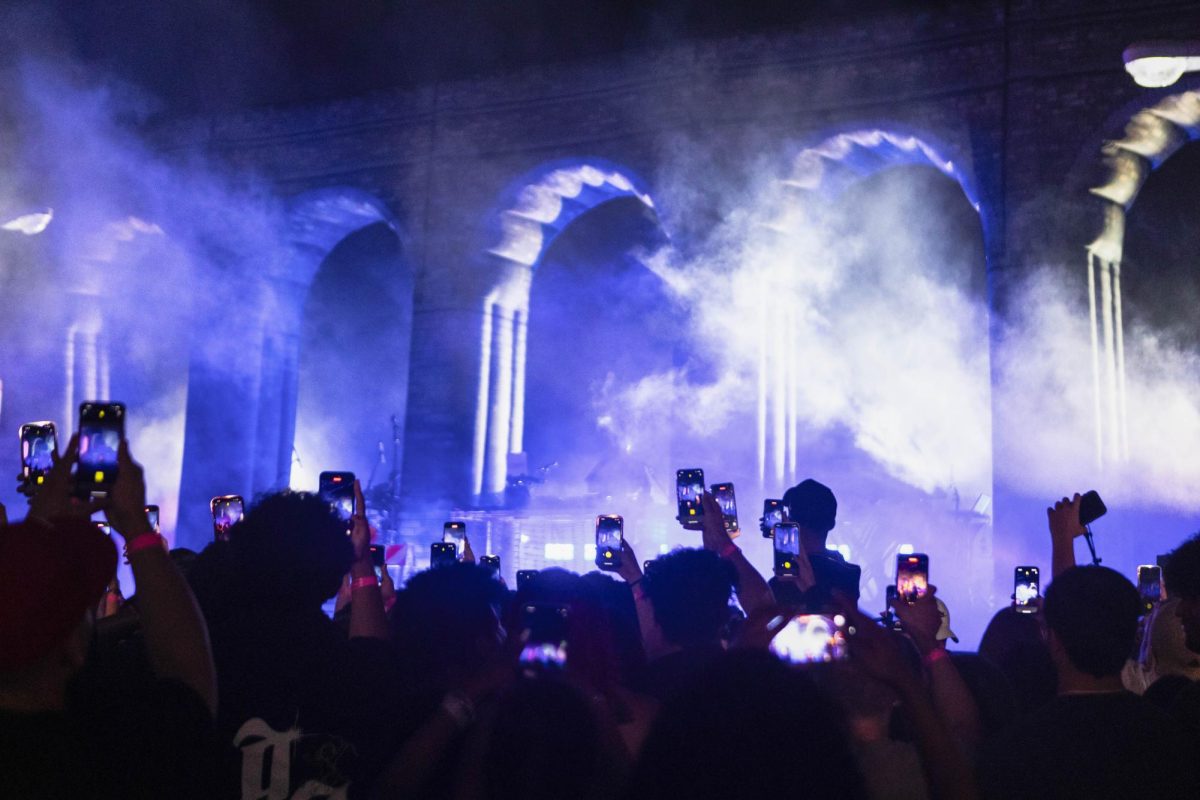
912, 576
101, 428
723, 494
1026, 588
377, 560
1149, 584
455, 533
787, 548
227, 511
152, 516
442, 554
689, 486
337, 489
543, 638
811, 639
774, 512
38, 445
610, 531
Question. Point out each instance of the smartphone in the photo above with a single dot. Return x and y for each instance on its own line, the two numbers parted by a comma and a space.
646, 567
1091, 508
1149, 584
543, 638
610, 533
525, 577
227, 511
101, 429
455, 532
689, 486
337, 489
103, 527
492, 563
787, 548
377, 560
723, 494
39, 443
774, 512
912, 576
442, 554
152, 516
811, 639
891, 596
1027, 585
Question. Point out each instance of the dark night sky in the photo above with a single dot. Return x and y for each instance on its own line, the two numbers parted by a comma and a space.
213, 55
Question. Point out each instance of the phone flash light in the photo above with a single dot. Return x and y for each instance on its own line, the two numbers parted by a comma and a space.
99, 478
41, 479
912, 561
337, 478
608, 553
787, 565
101, 414
692, 511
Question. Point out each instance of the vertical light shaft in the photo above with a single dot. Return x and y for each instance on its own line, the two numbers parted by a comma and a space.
1110, 359
500, 397
1122, 410
520, 329
1099, 425
481, 401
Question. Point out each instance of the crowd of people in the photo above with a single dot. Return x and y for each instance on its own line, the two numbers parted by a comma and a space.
222, 677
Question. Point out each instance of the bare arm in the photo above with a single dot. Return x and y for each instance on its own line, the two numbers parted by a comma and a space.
175, 632
367, 616
752, 589
631, 572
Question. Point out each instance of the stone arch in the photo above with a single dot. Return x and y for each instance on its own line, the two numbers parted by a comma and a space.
244, 382
531, 212
825, 170
1151, 136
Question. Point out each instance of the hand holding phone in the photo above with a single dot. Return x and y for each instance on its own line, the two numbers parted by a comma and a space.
727, 502
101, 431
912, 576
610, 536
1149, 584
811, 639
774, 512
337, 489
442, 554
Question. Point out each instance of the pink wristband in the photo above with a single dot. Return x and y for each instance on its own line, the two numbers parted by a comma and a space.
935, 655
364, 582
143, 541
729, 550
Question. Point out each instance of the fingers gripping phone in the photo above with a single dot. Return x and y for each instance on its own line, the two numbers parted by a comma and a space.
101, 429
227, 511
1027, 587
443, 554
689, 486
610, 534
912, 576
337, 489
787, 548
774, 512
39, 443
723, 494
152, 517
1091, 508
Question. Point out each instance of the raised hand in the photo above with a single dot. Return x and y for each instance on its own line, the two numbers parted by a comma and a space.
125, 506
54, 498
468, 555
631, 569
1064, 519
921, 620
360, 529
712, 525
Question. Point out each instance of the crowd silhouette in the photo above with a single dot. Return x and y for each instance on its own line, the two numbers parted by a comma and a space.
690, 675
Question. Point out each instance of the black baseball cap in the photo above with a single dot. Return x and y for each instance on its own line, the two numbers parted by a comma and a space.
811, 505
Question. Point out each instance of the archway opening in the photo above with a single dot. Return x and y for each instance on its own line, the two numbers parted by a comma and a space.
599, 322
353, 360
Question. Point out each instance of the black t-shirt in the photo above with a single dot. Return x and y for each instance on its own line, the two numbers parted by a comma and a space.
830, 571
1095, 746
311, 711
157, 742
664, 677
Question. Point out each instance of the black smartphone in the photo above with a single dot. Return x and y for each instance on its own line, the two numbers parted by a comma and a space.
787, 548
442, 554
646, 566
377, 560
152, 516
101, 429
891, 596
1091, 508
811, 639
912, 576
689, 486
774, 512
525, 577
723, 494
610, 533
39, 443
543, 638
1027, 587
455, 532
337, 489
227, 511
1149, 584
492, 563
